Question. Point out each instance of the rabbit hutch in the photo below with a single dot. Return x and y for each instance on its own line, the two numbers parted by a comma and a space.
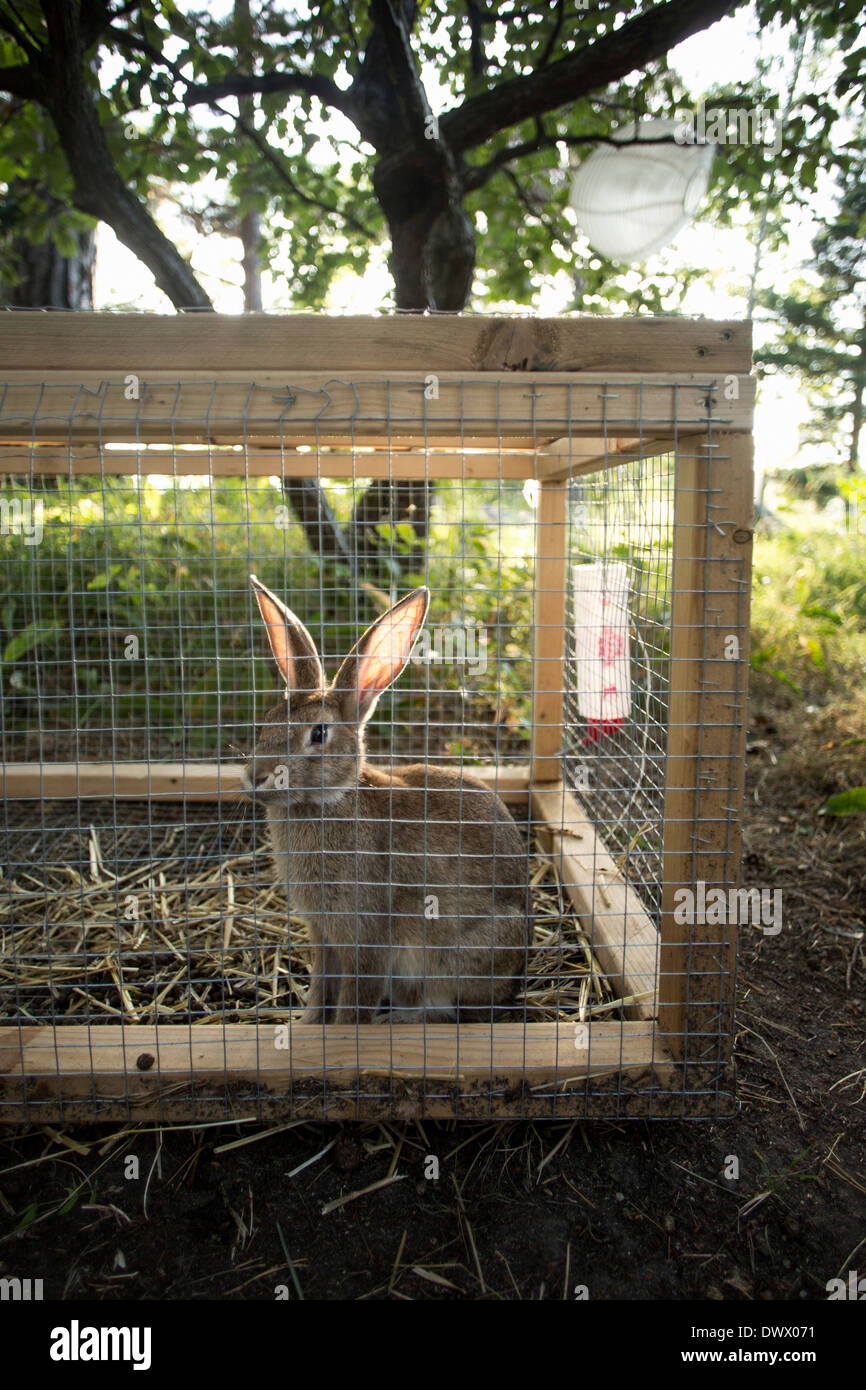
576, 496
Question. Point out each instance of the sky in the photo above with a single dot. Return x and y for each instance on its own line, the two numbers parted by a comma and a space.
728, 48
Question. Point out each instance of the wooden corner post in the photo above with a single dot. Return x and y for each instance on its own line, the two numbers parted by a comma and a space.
713, 511
548, 646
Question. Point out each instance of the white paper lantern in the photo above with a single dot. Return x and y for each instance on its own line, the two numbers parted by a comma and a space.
633, 201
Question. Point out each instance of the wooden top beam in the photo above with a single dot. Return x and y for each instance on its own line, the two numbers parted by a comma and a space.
121, 343
309, 406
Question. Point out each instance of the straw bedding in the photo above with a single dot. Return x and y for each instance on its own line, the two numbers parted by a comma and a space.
143, 913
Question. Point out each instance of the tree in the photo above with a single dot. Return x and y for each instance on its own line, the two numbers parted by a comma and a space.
822, 338
524, 87
414, 171
47, 248
38, 271
525, 84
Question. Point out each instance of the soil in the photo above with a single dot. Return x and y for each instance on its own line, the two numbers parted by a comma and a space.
770, 1204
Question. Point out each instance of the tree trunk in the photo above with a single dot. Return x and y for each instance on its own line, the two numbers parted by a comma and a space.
36, 275
46, 279
387, 503
418, 179
853, 461
311, 507
251, 236
251, 223
432, 239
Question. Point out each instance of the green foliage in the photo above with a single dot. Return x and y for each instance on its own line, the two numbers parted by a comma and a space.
760, 661
809, 614
168, 562
30, 637
35, 185
845, 803
821, 338
316, 194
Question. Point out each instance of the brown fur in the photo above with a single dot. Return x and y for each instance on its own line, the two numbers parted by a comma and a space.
363, 849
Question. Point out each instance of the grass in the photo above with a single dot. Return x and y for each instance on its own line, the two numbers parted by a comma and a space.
132, 627
808, 617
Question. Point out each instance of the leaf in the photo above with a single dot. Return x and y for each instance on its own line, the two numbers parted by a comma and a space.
27, 1217
99, 581
32, 635
786, 680
814, 610
845, 803
813, 650
758, 662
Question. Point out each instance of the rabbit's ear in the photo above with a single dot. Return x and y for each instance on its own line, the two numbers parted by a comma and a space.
293, 648
381, 654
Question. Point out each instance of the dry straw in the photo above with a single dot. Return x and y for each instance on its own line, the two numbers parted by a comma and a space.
209, 943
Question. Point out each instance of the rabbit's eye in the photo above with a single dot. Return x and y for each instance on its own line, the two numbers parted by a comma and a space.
318, 733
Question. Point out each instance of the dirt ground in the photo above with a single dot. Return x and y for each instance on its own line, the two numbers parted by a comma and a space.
629, 1210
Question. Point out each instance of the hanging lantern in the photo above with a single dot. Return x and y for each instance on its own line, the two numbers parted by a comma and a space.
632, 201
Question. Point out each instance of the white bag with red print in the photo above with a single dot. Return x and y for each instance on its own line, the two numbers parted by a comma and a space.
602, 650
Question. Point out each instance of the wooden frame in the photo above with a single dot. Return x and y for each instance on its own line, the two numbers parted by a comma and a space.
597, 393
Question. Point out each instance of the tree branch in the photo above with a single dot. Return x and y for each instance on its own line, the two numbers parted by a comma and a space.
126, 39
20, 32
555, 233
18, 82
554, 34
477, 56
246, 126
477, 175
61, 87
292, 83
275, 161
605, 60
347, 15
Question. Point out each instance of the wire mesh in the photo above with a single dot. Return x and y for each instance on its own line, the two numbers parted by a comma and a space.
136, 668
621, 531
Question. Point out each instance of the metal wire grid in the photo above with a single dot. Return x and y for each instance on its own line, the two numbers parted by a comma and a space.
73, 697
621, 523
202, 676
626, 516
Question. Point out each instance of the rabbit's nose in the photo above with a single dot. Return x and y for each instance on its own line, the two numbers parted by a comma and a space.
259, 774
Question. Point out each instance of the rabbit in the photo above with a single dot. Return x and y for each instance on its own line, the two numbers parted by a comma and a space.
393, 869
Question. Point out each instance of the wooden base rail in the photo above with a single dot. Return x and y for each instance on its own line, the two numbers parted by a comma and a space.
624, 937
198, 1072
159, 781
